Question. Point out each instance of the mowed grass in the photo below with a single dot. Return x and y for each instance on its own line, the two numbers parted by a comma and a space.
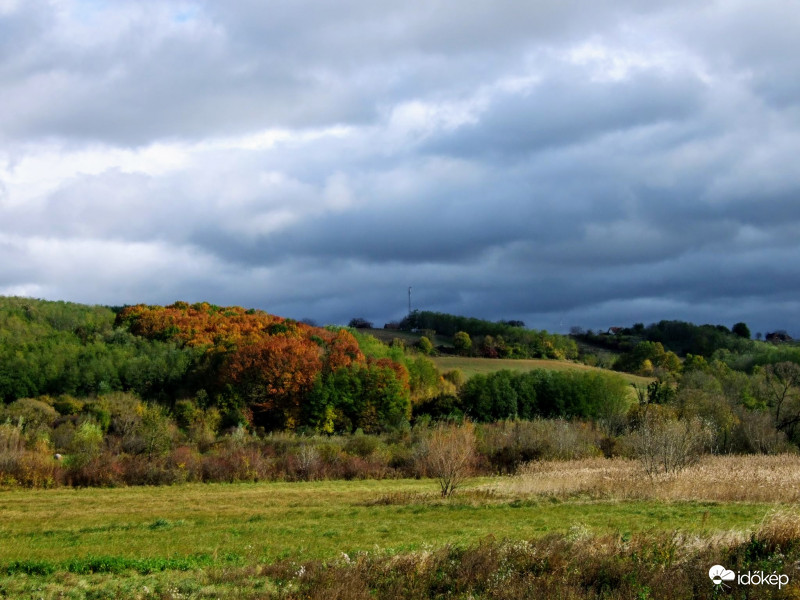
266, 522
473, 366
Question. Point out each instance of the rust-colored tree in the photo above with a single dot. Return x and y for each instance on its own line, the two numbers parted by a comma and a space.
270, 364
343, 350
275, 374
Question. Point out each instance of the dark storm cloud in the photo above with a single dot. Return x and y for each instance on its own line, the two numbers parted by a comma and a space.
558, 162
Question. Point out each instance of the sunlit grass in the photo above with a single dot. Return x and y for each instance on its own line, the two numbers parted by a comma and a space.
473, 366
269, 521
218, 540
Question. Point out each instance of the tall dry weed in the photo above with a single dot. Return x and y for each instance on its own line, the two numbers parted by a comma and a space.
714, 478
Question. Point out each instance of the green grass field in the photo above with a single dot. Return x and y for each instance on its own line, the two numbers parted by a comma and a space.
472, 366
214, 540
269, 521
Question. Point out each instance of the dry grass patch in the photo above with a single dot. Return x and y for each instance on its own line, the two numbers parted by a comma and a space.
714, 478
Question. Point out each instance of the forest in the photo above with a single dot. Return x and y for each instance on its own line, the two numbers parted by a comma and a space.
153, 394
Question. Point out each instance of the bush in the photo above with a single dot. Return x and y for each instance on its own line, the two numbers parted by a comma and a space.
509, 444
361, 445
449, 455
456, 377
100, 470
425, 346
667, 446
67, 405
155, 431
87, 444
30, 414
30, 468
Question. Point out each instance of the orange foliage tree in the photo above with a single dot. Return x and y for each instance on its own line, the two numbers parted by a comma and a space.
274, 375
272, 365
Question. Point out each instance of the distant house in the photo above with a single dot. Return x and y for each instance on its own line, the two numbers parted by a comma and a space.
614, 330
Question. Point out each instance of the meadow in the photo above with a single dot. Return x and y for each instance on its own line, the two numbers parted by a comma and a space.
471, 365
285, 539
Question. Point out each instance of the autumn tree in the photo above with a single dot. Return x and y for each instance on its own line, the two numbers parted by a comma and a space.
342, 350
275, 374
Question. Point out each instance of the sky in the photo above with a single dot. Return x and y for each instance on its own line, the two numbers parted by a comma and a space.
563, 163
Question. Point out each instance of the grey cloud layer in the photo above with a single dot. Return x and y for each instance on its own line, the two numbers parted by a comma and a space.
545, 161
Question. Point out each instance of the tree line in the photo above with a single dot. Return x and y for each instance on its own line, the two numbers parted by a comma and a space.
500, 339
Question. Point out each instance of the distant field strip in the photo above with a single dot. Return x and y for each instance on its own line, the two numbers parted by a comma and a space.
472, 366
247, 523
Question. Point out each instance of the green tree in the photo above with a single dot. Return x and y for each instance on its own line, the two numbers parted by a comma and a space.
87, 444
781, 386
155, 431
462, 343
742, 330
425, 346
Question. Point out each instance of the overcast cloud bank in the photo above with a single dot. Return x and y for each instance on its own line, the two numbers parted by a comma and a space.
560, 162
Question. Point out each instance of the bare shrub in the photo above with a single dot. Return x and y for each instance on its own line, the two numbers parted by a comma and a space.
181, 465
355, 467
308, 462
665, 445
449, 455
570, 439
756, 432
